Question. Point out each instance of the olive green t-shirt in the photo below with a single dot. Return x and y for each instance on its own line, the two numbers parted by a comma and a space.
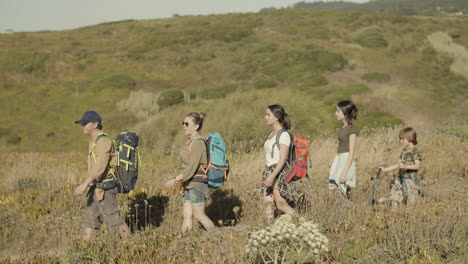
343, 137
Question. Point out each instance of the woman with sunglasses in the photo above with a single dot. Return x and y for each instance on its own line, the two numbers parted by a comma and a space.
193, 158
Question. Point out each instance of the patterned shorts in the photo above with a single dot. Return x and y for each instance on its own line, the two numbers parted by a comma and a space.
287, 190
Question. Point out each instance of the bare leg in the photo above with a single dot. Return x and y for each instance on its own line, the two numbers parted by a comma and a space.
199, 213
188, 214
268, 205
281, 203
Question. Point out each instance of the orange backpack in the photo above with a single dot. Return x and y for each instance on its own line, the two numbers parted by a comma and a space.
298, 160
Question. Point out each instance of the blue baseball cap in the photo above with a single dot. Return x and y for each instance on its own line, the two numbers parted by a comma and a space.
89, 116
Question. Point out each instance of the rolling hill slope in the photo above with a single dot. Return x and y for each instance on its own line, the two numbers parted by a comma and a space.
145, 75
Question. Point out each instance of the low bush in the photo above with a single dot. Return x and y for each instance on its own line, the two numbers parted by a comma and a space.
170, 98
13, 139
265, 83
218, 92
4, 132
25, 61
408, 45
370, 37
114, 81
376, 77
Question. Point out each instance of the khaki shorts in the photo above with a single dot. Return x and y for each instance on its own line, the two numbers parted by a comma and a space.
398, 193
106, 208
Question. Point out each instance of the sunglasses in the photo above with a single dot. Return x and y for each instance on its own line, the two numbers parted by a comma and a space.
185, 123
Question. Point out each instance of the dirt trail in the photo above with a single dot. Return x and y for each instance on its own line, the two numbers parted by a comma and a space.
383, 97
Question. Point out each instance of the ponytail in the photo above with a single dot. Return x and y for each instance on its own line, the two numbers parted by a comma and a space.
283, 118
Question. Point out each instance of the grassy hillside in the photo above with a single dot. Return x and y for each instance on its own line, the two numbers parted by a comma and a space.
145, 75
399, 7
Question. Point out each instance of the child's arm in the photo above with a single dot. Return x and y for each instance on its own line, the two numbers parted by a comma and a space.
352, 147
390, 168
410, 167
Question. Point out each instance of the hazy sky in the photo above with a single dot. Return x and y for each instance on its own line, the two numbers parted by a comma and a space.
32, 15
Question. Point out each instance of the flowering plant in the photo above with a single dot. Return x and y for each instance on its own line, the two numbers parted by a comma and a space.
285, 241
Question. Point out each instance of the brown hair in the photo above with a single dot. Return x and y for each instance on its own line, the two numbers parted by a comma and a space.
410, 134
283, 118
197, 118
349, 110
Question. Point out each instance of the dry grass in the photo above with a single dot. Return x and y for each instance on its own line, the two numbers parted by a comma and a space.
40, 219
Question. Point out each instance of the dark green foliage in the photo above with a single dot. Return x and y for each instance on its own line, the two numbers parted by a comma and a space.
400, 7
334, 93
374, 119
408, 45
376, 77
25, 61
182, 61
218, 92
229, 29
4, 132
27, 183
114, 81
454, 33
265, 83
370, 37
313, 80
170, 98
297, 65
13, 139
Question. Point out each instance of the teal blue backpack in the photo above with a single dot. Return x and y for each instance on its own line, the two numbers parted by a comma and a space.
218, 166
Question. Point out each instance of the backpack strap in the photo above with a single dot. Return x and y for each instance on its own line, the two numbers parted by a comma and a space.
277, 140
93, 153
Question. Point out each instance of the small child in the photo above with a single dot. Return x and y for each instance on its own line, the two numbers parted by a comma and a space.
343, 171
405, 187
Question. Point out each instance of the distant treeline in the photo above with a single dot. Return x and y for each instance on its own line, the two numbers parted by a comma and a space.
398, 7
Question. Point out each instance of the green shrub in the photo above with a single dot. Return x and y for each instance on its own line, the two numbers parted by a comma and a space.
14, 139
25, 61
455, 33
229, 29
335, 93
298, 65
27, 183
170, 98
266, 48
373, 119
241, 75
265, 83
376, 77
114, 81
313, 80
370, 37
218, 92
4, 132
408, 45
182, 61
